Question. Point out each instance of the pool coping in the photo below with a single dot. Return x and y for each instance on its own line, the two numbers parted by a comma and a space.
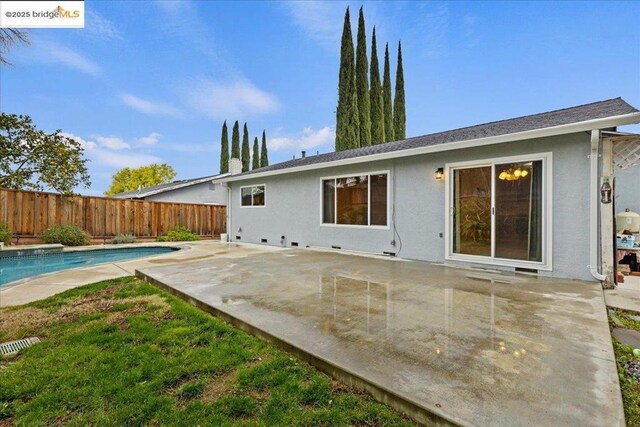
175, 245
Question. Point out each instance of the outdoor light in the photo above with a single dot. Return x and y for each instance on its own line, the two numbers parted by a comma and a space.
605, 191
439, 174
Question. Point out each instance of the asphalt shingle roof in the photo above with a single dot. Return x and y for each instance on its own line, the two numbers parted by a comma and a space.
156, 189
581, 113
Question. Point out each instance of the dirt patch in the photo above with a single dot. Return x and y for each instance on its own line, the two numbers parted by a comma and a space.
219, 386
36, 320
27, 319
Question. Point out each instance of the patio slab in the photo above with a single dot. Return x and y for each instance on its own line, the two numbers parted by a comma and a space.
444, 345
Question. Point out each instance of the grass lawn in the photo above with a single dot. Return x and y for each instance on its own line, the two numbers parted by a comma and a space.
122, 352
629, 385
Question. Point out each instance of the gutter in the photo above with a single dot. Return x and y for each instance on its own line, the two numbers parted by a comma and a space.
594, 200
585, 126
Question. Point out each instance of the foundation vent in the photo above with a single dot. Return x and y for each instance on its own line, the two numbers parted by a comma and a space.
263, 240
238, 238
336, 247
294, 244
12, 347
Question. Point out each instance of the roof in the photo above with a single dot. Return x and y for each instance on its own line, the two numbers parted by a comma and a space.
593, 116
163, 188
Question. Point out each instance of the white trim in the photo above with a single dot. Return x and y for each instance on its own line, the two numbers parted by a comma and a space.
587, 125
547, 212
335, 202
594, 199
252, 205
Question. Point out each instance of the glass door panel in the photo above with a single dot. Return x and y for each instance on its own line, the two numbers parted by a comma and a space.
472, 211
518, 210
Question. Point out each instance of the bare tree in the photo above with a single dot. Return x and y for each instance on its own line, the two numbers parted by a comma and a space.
8, 37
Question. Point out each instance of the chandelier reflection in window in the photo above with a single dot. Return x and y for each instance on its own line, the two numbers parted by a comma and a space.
514, 174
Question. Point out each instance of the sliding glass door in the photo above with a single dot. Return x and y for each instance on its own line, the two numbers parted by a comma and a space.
498, 211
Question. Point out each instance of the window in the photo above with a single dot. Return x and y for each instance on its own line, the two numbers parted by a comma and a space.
253, 195
359, 200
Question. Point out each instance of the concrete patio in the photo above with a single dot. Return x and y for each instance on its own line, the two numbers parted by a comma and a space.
445, 345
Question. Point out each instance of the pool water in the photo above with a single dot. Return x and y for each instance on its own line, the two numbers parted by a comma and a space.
16, 268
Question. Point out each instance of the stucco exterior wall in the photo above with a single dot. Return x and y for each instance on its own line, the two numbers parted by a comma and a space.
198, 193
628, 189
293, 205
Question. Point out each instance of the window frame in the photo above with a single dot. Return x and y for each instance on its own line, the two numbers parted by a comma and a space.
547, 212
335, 203
252, 205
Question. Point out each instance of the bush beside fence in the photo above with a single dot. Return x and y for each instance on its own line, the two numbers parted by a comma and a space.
29, 213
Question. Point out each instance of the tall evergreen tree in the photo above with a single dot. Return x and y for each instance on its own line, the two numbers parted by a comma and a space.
264, 155
347, 119
386, 98
255, 158
399, 114
362, 83
245, 149
224, 149
375, 94
235, 141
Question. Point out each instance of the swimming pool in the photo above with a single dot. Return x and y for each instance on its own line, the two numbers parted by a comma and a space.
20, 267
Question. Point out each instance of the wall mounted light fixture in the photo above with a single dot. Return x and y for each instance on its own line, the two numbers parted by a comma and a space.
439, 174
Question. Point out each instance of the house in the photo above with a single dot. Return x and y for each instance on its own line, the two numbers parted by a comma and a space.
521, 194
196, 190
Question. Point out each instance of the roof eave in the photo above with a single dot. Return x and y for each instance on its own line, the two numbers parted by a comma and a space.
587, 125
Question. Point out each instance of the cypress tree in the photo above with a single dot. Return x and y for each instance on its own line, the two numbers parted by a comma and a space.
224, 149
386, 98
375, 94
399, 114
362, 83
255, 159
264, 155
245, 149
347, 120
235, 141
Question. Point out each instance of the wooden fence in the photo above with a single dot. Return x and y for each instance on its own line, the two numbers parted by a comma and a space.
29, 213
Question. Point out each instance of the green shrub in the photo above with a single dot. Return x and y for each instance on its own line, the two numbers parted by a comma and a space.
179, 234
5, 233
68, 235
123, 238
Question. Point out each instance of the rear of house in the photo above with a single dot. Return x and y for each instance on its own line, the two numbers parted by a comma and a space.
519, 194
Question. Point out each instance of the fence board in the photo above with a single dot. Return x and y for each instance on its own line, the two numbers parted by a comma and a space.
29, 213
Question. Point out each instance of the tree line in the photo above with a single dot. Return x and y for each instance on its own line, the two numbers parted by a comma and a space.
365, 113
259, 158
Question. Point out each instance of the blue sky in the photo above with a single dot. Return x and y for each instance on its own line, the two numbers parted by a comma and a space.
153, 81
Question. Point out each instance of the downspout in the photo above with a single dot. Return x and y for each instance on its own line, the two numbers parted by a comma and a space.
228, 212
594, 200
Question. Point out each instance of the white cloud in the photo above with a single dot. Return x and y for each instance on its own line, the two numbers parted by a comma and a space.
98, 26
112, 142
113, 151
87, 145
123, 160
150, 139
239, 98
48, 51
322, 21
305, 140
152, 108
